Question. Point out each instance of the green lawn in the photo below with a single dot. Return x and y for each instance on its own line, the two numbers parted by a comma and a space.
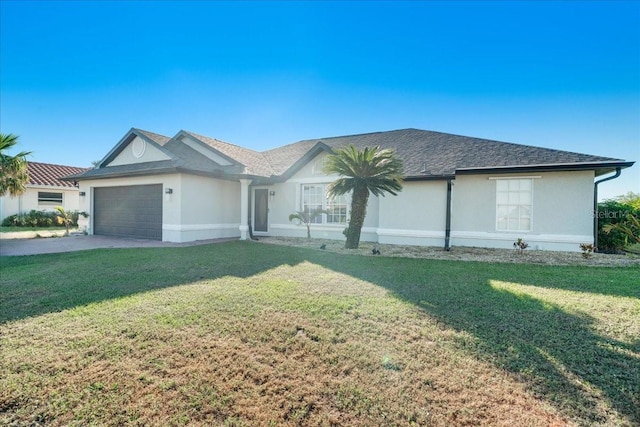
244, 334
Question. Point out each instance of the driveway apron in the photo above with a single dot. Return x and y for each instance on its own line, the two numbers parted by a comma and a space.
13, 247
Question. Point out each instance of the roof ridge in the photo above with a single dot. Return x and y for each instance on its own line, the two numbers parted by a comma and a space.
199, 135
316, 140
150, 132
359, 134
56, 164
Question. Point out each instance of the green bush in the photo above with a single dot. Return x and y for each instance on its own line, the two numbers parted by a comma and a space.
613, 212
36, 219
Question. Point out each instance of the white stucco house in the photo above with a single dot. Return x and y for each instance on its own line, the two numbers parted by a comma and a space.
459, 191
45, 190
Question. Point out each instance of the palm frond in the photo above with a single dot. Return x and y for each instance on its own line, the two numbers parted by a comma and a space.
379, 170
362, 172
13, 169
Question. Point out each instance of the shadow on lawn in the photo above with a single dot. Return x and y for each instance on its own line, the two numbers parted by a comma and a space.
40, 284
556, 353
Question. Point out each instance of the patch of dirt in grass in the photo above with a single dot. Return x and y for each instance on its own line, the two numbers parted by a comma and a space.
461, 253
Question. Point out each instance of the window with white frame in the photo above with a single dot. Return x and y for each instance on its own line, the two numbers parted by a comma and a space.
315, 196
49, 198
514, 200
337, 210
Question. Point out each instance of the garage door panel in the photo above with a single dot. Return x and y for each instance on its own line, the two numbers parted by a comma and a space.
134, 211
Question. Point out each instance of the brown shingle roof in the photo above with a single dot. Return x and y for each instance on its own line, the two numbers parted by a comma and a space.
155, 137
50, 175
254, 162
427, 153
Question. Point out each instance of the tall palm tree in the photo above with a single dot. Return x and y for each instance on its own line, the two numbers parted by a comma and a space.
13, 169
371, 170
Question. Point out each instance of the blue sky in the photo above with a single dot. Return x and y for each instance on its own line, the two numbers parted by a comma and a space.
76, 76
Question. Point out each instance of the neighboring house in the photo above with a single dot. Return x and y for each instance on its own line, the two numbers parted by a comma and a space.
45, 190
459, 191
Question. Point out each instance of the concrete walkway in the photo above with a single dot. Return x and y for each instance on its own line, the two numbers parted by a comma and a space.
13, 246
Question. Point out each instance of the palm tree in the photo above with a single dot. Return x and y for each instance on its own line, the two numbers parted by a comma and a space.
13, 169
307, 217
630, 227
371, 170
64, 218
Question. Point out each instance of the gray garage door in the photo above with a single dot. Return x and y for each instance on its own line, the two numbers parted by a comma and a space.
133, 211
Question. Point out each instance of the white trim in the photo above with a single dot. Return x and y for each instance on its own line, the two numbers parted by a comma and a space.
319, 227
138, 147
548, 238
429, 234
199, 227
560, 242
253, 209
193, 232
436, 234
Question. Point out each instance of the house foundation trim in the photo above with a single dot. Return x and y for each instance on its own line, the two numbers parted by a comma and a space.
244, 209
181, 233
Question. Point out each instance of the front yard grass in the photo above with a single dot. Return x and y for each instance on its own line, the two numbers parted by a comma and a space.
244, 334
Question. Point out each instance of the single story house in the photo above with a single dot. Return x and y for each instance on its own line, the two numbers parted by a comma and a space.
458, 191
45, 190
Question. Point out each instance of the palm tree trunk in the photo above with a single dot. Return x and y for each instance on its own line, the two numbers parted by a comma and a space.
358, 212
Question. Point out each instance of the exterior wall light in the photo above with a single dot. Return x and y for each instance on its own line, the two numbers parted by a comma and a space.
82, 193
272, 193
168, 191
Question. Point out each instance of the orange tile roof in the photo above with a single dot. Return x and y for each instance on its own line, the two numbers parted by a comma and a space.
50, 175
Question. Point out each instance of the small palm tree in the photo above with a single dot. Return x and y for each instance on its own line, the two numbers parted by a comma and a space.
630, 227
13, 169
307, 217
64, 218
372, 170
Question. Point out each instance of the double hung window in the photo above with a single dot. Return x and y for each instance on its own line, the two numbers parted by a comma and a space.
314, 196
514, 199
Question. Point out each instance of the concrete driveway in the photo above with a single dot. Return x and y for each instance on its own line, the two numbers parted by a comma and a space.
13, 246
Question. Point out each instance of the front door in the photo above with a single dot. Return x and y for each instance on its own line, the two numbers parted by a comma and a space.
261, 210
